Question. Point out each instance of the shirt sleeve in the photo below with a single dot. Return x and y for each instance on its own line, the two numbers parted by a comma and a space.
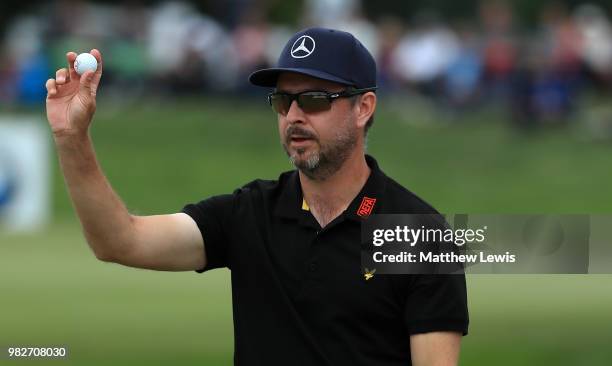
437, 303
214, 217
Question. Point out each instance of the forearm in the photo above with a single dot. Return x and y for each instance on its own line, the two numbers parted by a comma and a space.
106, 222
435, 349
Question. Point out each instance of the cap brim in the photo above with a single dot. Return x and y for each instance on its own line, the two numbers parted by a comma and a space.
269, 77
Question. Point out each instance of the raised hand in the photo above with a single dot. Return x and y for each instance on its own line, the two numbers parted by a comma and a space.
71, 98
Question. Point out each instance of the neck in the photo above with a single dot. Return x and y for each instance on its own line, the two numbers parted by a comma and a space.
328, 198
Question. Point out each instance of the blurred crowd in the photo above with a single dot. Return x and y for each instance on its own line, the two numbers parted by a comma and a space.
172, 48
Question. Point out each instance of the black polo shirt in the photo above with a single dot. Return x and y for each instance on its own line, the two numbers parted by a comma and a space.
298, 290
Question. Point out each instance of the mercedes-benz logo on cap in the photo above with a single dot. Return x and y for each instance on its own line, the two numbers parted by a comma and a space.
302, 47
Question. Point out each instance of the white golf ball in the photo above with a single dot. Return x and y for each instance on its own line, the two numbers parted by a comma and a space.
85, 62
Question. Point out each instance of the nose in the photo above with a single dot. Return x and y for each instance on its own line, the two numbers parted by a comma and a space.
295, 114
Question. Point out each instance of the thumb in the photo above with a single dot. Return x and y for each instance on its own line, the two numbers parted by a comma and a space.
85, 87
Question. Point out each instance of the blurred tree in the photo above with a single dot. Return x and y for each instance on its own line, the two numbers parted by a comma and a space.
527, 11
289, 11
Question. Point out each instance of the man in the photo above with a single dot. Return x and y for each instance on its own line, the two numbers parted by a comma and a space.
292, 245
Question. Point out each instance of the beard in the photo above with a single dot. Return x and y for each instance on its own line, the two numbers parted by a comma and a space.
321, 160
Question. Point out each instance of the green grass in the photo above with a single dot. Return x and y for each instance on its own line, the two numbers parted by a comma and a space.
54, 292
160, 156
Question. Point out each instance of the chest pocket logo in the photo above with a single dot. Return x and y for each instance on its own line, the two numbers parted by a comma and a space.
369, 274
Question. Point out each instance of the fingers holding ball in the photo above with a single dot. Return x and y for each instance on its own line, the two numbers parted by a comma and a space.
51, 87
62, 76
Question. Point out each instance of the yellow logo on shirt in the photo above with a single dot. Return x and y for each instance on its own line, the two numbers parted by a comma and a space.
369, 274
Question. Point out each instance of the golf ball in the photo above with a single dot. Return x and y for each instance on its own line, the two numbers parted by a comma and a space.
85, 62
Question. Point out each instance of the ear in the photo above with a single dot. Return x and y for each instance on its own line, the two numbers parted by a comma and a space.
365, 108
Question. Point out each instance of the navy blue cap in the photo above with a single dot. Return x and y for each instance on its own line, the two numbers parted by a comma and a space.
326, 54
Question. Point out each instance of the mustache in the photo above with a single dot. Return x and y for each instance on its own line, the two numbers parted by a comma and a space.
297, 131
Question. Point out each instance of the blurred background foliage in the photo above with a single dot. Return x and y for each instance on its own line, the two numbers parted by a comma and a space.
288, 11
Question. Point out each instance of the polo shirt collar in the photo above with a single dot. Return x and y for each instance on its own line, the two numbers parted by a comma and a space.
367, 201
289, 202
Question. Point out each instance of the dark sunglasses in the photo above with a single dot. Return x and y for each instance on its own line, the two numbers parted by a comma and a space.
310, 101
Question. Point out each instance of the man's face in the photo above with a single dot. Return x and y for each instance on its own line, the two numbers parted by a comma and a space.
317, 143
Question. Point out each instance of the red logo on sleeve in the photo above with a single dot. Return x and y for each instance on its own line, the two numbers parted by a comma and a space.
366, 206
